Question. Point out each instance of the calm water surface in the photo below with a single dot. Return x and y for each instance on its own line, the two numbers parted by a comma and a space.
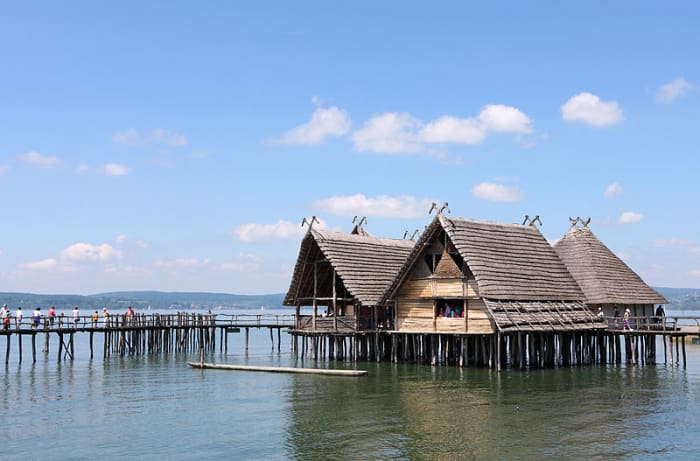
156, 407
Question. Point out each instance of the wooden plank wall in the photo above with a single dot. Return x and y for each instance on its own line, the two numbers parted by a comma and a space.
438, 288
478, 320
415, 315
415, 307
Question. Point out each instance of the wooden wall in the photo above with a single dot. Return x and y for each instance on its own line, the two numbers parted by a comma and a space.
438, 288
416, 301
478, 319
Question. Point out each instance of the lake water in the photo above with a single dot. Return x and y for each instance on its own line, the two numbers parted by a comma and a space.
156, 407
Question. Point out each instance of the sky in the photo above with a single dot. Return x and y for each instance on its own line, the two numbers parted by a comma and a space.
178, 146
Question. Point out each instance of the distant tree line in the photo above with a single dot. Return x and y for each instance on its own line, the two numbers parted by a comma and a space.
142, 300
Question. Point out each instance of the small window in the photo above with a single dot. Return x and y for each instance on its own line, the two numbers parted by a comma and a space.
450, 308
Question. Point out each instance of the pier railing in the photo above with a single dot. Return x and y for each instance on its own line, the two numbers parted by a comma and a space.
123, 321
656, 324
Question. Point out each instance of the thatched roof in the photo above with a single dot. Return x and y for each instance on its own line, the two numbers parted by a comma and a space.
513, 316
603, 277
509, 261
365, 264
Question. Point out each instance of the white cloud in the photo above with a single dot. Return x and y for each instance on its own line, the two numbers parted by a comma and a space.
694, 250
119, 239
44, 264
159, 135
497, 118
168, 137
3, 168
389, 133
243, 263
36, 159
613, 190
393, 133
496, 192
401, 206
695, 273
629, 217
673, 90
142, 244
670, 243
110, 169
127, 270
453, 130
129, 136
115, 169
182, 263
280, 230
588, 108
324, 123
85, 252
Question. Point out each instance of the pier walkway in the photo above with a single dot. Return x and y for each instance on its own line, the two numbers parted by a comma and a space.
144, 333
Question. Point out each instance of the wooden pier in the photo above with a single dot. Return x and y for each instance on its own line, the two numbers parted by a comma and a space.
145, 333
612, 343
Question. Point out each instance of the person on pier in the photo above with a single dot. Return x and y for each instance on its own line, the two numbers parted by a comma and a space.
660, 314
18, 317
6, 317
95, 317
52, 315
626, 319
129, 315
76, 316
36, 318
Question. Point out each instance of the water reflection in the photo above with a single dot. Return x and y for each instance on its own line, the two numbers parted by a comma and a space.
420, 412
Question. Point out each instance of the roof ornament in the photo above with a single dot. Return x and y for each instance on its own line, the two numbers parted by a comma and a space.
413, 235
309, 222
533, 221
444, 207
362, 220
579, 220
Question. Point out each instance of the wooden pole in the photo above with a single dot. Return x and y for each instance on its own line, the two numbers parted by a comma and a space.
683, 343
313, 315
335, 307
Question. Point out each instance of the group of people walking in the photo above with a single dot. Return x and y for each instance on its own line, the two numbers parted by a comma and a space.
6, 316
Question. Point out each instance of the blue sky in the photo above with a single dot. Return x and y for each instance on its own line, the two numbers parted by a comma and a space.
178, 145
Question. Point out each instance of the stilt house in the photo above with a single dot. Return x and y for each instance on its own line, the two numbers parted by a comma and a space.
345, 275
474, 277
606, 281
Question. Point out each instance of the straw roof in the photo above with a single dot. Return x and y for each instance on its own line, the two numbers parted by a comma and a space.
604, 278
514, 316
509, 261
365, 264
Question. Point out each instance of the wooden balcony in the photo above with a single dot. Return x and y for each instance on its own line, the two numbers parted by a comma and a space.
340, 324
